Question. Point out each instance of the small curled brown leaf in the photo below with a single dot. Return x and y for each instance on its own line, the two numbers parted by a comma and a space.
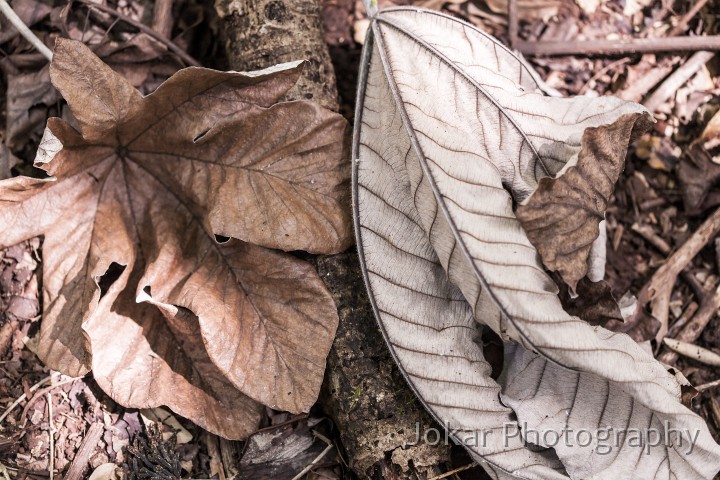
561, 217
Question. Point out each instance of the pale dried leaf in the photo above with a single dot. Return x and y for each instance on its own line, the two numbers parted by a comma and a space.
598, 255
106, 471
452, 131
428, 324
560, 404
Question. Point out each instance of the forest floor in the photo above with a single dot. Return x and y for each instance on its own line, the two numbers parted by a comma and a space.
653, 212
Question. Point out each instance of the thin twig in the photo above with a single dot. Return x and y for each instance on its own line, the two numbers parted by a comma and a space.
16, 22
146, 30
22, 397
51, 432
620, 47
299, 417
708, 386
659, 288
227, 456
692, 331
216, 464
453, 472
682, 321
677, 79
682, 25
653, 202
690, 350
715, 410
661, 309
692, 246
82, 456
647, 82
513, 22
162, 17
40, 394
601, 72
314, 462
647, 233
637, 90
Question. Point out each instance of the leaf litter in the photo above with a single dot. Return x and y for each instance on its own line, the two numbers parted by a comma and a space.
644, 194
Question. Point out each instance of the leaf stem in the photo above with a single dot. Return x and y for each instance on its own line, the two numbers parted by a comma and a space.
22, 397
51, 433
24, 30
371, 7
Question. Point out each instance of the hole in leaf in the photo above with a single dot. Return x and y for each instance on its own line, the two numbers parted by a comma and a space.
200, 136
110, 276
493, 351
221, 239
301, 255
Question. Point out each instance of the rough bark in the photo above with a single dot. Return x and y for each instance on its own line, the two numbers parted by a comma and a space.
364, 392
375, 411
262, 33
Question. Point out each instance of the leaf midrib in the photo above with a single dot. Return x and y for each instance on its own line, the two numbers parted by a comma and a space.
442, 57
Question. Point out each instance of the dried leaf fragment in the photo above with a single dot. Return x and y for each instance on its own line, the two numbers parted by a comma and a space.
699, 168
561, 217
594, 302
136, 286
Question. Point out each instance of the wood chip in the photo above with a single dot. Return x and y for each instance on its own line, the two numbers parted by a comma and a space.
87, 448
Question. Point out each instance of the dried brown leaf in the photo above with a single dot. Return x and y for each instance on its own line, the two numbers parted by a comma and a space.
594, 302
136, 286
28, 96
7, 161
641, 326
699, 170
698, 174
561, 217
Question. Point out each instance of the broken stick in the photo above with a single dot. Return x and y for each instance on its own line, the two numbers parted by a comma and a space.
692, 331
87, 447
678, 78
658, 290
690, 350
647, 233
620, 47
